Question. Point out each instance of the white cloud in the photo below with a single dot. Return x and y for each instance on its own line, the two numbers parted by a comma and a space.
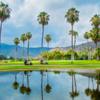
26, 11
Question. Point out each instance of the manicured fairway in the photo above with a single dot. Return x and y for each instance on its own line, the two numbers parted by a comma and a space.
52, 64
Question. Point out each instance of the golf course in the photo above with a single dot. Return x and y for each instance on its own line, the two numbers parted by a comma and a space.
52, 64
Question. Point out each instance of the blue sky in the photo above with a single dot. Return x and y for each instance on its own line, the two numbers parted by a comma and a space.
24, 19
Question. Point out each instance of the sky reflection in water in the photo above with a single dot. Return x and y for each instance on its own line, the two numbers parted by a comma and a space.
37, 85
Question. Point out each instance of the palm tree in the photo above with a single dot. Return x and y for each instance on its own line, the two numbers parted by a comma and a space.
43, 19
23, 39
95, 22
4, 14
94, 37
28, 36
48, 39
87, 36
16, 42
72, 16
75, 34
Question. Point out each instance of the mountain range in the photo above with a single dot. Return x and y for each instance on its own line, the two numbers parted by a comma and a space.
9, 50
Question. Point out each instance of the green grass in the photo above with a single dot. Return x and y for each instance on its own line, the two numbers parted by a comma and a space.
52, 64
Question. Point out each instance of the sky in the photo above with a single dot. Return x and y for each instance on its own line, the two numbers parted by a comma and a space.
24, 14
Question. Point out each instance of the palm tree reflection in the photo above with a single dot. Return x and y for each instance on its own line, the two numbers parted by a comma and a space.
94, 93
48, 87
22, 87
74, 93
41, 85
15, 84
28, 89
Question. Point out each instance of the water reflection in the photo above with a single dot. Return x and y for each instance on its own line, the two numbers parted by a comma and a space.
46, 85
74, 92
94, 93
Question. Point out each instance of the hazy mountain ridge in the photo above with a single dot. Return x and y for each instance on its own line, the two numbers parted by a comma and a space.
9, 50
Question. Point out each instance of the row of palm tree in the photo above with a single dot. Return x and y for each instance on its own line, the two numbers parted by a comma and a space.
72, 16
23, 38
4, 15
94, 33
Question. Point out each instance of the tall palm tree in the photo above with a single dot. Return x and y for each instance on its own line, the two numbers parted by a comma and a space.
23, 39
28, 36
72, 16
48, 39
4, 14
75, 34
94, 37
16, 42
43, 19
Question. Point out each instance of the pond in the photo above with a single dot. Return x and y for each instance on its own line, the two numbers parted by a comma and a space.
50, 85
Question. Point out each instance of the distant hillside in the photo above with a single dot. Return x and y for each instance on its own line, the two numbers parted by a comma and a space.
9, 50
84, 45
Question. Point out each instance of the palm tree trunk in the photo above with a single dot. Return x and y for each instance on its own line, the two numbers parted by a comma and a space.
74, 41
75, 84
16, 53
23, 50
96, 48
28, 50
92, 82
27, 80
0, 34
15, 77
42, 35
0, 31
88, 82
41, 85
72, 85
47, 78
72, 55
48, 44
88, 50
23, 79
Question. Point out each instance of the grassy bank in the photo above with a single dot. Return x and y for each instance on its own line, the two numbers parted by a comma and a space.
52, 64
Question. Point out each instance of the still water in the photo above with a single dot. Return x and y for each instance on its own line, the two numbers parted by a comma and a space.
49, 85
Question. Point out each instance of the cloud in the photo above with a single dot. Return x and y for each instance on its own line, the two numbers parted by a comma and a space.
24, 17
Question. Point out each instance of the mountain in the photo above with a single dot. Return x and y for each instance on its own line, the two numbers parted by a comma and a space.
9, 50
84, 46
